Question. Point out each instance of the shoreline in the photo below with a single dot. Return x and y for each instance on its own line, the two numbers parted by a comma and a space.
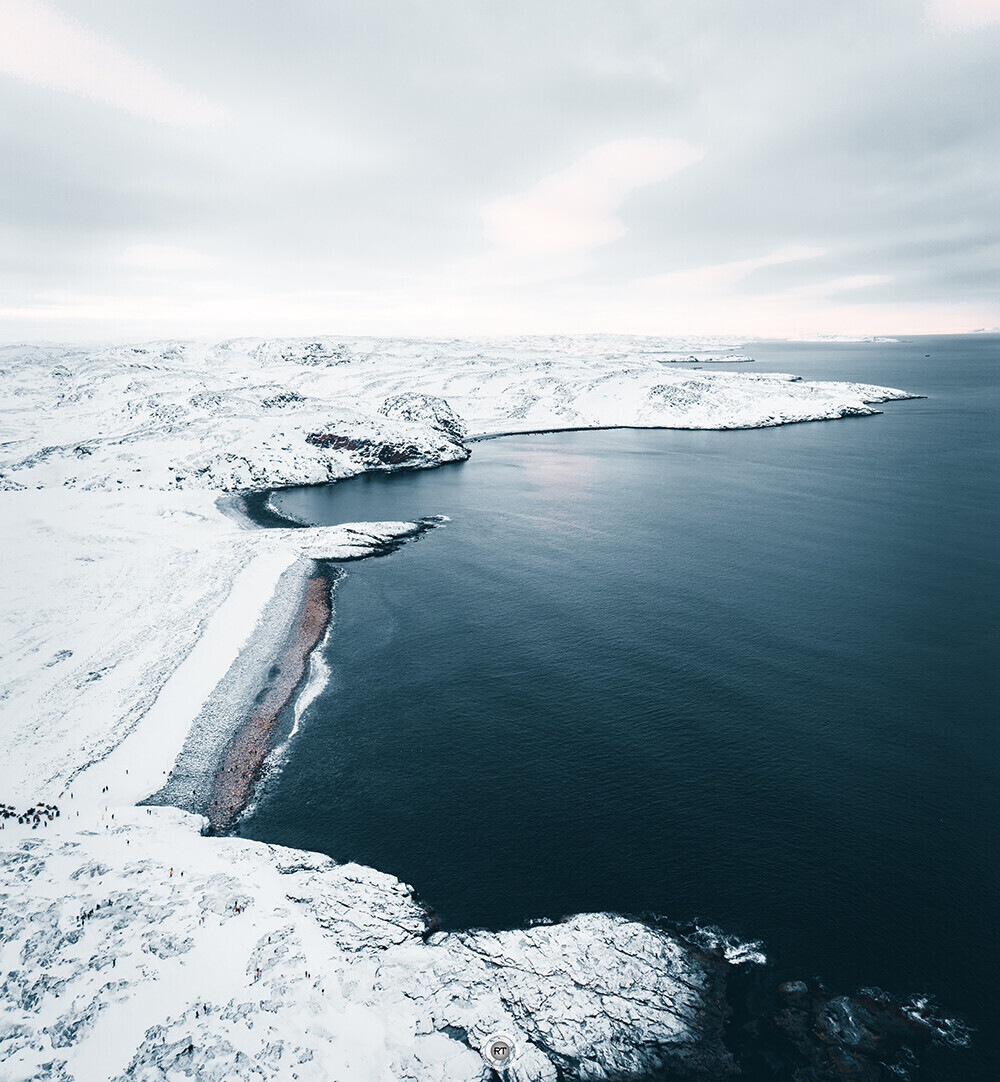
262, 695
242, 761
482, 437
250, 712
162, 625
228, 739
288, 629
906, 1019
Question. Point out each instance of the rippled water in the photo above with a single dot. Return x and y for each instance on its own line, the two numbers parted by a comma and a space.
749, 677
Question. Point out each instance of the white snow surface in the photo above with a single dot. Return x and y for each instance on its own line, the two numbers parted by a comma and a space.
235, 415
136, 948
125, 596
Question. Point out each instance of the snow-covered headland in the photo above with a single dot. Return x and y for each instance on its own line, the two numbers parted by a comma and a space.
141, 617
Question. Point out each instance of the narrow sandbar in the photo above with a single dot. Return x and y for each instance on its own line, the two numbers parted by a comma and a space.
243, 758
237, 727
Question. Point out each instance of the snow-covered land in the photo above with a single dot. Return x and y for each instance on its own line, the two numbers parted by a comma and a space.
131, 592
240, 414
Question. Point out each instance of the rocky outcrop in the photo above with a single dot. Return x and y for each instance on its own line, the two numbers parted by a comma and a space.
136, 944
426, 414
425, 409
237, 959
378, 454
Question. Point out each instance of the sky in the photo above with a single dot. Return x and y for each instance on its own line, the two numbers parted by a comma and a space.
775, 168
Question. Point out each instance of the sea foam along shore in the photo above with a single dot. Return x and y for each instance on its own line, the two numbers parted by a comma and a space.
127, 596
238, 726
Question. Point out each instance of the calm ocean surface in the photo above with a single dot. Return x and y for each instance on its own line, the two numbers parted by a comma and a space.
747, 677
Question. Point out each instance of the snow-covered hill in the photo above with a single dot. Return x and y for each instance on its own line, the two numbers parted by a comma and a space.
252, 413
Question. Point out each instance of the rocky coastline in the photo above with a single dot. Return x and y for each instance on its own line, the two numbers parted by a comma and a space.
134, 946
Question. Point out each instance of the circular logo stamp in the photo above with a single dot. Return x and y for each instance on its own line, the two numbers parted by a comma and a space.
498, 1050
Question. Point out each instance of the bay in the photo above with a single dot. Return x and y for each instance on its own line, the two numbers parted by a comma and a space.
745, 677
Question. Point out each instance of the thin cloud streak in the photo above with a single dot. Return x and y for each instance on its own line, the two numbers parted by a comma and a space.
841, 285
43, 46
959, 15
576, 209
718, 276
166, 257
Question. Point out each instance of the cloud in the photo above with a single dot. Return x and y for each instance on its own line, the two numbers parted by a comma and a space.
962, 14
166, 257
576, 209
841, 285
702, 299
718, 276
367, 155
43, 46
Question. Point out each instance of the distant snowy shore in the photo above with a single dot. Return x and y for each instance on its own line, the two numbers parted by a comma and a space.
254, 414
131, 944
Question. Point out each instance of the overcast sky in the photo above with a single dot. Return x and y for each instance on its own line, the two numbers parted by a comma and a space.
743, 167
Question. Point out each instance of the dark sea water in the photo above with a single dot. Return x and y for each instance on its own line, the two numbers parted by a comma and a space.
747, 677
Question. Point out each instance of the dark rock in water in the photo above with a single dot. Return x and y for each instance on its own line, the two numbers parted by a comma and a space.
800, 1032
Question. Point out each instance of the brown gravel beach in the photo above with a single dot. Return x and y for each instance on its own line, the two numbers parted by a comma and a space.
243, 758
